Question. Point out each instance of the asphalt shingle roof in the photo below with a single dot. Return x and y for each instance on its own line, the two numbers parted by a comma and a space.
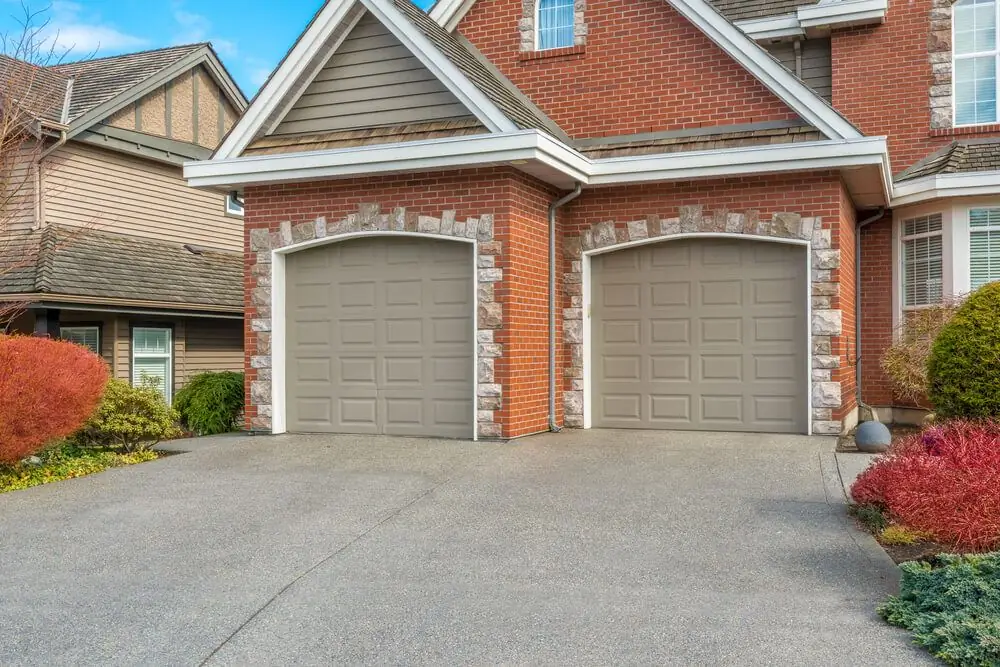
39, 91
99, 80
83, 262
957, 157
742, 10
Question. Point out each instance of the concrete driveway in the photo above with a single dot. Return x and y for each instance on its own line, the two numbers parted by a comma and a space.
579, 548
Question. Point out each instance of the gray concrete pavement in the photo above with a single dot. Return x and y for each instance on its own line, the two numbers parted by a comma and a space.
578, 548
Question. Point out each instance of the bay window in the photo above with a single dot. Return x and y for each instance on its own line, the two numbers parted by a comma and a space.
984, 246
923, 261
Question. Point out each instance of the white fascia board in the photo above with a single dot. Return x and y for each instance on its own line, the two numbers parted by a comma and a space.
833, 154
448, 13
282, 81
969, 184
447, 73
478, 150
842, 12
772, 27
789, 88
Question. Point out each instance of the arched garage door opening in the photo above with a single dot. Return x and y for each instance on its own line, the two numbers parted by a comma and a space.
380, 337
700, 334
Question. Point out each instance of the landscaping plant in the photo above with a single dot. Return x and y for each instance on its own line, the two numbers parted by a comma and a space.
48, 389
952, 610
944, 482
905, 361
130, 418
964, 366
211, 403
66, 461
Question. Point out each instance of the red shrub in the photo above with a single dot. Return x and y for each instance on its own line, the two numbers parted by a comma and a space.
945, 481
48, 389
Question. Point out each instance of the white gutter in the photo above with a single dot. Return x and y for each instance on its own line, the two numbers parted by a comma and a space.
968, 184
834, 13
532, 146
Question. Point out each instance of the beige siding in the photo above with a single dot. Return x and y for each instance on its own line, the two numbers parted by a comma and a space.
213, 346
123, 118
815, 67
153, 113
128, 195
181, 108
17, 189
372, 80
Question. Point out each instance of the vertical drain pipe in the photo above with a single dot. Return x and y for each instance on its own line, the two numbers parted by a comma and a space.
555, 206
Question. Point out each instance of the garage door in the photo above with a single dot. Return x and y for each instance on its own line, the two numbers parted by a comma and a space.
380, 337
705, 334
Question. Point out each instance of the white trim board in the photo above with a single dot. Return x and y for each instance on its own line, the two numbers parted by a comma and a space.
280, 88
818, 18
279, 409
968, 184
541, 155
587, 279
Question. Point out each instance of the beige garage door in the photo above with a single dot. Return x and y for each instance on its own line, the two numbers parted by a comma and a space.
380, 338
706, 334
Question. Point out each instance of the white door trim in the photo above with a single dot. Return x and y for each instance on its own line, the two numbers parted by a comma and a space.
588, 320
279, 351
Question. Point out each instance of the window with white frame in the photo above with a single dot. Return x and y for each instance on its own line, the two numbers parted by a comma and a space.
923, 270
554, 24
152, 358
984, 246
87, 336
234, 206
974, 48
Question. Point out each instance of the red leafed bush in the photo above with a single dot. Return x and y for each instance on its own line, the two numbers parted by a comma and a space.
945, 481
48, 389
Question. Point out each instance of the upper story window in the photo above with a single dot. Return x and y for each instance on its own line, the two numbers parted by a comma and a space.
923, 255
975, 67
555, 24
234, 206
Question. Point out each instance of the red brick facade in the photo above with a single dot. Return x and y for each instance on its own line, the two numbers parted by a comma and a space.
644, 69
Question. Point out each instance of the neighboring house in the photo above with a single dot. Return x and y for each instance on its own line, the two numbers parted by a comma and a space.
111, 248
708, 170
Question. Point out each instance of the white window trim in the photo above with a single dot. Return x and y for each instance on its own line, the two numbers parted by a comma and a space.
168, 388
966, 56
231, 208
538, 29
70, 328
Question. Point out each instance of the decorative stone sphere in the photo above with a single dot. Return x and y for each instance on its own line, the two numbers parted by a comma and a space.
872, 437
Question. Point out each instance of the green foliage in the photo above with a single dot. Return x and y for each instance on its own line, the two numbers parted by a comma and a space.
130, 418
900, 535
873, 517
66, 461
953, 610
964, 366
211, 403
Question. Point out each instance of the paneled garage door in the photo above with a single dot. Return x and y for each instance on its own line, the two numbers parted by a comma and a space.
705, 334
380, 337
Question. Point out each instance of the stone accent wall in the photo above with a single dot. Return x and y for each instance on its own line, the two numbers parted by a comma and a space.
939, 52
526, 26
826, 320
370, 218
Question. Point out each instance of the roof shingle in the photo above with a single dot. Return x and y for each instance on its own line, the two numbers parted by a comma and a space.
743, 10
957, 157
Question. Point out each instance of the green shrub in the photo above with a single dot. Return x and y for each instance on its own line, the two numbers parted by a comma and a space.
211, 403
871, 516
953, 610
66, 461
964, 366
901, 535
130, 418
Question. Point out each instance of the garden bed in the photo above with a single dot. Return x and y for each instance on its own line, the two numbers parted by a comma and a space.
68, 462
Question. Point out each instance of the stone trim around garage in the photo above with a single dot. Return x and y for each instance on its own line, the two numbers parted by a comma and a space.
526, 26
826, 321
369, 218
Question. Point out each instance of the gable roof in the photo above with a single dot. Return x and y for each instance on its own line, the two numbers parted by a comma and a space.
958, 157
38, 91
80, 94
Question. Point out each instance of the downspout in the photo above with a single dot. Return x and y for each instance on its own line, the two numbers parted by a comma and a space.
857, 302
555, 206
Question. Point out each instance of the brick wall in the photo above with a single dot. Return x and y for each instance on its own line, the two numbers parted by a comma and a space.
644, 68
846, 346
876, 309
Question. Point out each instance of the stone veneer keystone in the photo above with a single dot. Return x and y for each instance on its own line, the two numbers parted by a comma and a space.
826, 321
369, 218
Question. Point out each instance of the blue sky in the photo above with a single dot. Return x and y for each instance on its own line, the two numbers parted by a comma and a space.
251, 36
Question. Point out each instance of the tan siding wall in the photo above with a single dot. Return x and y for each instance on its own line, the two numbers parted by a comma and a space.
17, 189
123, 118
153, 113
372, 80
126, 195
213, 346
181, 108
208, 109
816, 69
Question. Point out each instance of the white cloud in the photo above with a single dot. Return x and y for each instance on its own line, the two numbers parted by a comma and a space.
259, 76
72, 33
